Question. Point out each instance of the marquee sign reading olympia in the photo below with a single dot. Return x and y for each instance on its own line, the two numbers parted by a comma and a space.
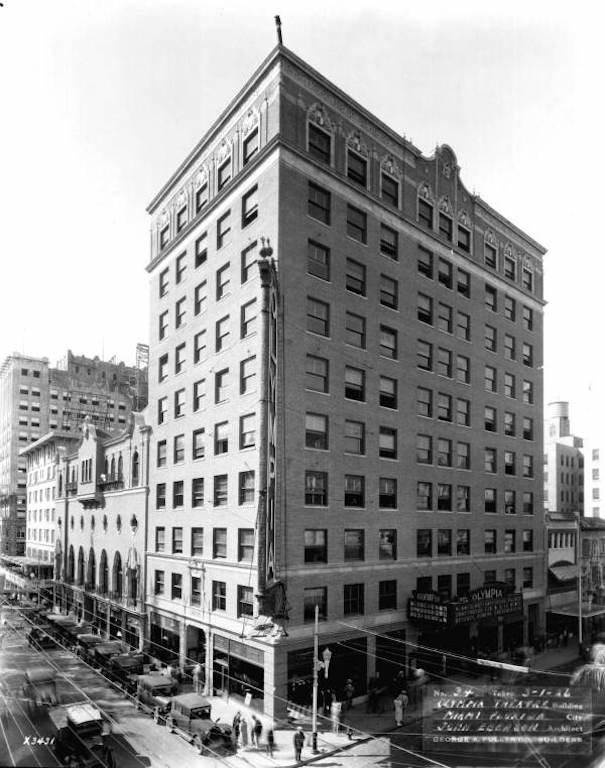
488, 601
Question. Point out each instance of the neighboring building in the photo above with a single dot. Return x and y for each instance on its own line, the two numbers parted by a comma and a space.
35, 399
594, 482
352, 422
563, 463
562, 533
102, 489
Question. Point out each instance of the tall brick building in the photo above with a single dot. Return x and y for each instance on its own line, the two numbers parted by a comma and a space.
350, 417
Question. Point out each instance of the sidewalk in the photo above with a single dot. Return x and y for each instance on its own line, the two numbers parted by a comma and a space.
363, 725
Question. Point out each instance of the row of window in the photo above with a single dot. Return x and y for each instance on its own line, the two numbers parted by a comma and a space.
26, 372
424, 584
247, 320
316, 494
197, 499
245, 547
245, 595
442, 454
443, 538
247, 439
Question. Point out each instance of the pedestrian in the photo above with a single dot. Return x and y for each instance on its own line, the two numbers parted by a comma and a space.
404, 705
349, 692
243, 731
258, 729
299, 741
335, 712
398, 706
197, 673
270, 742
236, 727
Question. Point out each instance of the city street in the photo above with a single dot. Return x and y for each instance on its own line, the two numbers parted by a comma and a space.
135, 739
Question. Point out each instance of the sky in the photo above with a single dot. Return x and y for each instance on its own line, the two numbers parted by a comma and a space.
100, 101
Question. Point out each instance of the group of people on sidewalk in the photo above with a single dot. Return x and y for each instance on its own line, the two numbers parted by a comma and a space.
245, 732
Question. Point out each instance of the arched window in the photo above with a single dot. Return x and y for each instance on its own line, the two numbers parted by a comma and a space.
91, 570
113, 467
120, 468
80, 574
103, 573
135, 468
61, 484
117, 576
106, 469
70, 565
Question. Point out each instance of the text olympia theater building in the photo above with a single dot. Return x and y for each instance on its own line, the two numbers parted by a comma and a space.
353, 418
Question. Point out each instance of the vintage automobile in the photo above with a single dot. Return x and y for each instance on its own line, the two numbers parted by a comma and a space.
60, 624
124, 670
85, 645
80, 736
154, 692
191, 714
105, 651
40, 688
40, 637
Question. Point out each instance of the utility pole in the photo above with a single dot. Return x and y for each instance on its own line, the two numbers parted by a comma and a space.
315, 665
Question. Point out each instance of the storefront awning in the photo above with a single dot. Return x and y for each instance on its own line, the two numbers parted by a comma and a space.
573, 610
564, 572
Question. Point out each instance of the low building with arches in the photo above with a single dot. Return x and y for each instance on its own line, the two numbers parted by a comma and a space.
101, 521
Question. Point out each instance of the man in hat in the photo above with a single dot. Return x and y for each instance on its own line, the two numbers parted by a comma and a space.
299, 740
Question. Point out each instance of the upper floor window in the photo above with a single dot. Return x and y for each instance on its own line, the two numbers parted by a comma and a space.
318, 260
357, 168
250, 206
464, 239
425, 213
491, 255
201, 249
223, 228
250, 146
319, 203
224, 173
390, 189
357, 224
164, 282
201, 197
389, 242
164, 236
181, 218
446, 226
181, 266
320, 144
527, 279
510, 268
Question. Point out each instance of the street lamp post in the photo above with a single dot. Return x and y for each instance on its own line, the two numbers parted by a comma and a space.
315, 671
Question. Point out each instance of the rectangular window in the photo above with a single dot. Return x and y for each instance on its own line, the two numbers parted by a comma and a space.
527, 355
390, 190
424, 496
444, 362
424, 310
424, 355
389, 242
197, 448
319, 144
220, 490
318, 316
164, 236
357, 168
160, 496
510, 463
491, 383
509, 385
222, 333
318, 260
509, 347
319, 203
528, 428
528, 392
424, 402
246, 487
490, 542
355, 384
316, 431
446, 226
162, 409
491, 298
463, 285
387, 493
444, 273
389, 292
388, 342
221, 438
177, 541
197, 492
444, 541
425, 213
160, 539
164, 274
528, 540
199, 298
528, 466
424, 542
528, 578
316, 489
316, 374
179, 403
463, 369
490, 419
510, 502
248, 261
490, 464
357, 224
219, 543
354, 437
250, 146
387, 595
509, 541
249, 206
158, 583
424, 449
444, 497
219, 596
387, 443
355, 330
464, 239
509, 424
181, 266
179, 449
490, 501
354, 491
245, 545
315, 596
201, 250
491, 256
527, 279
528, 318
199, 393
510, 308
247, 375
490, 338
316, 545
444, 406
178, 496
355, 277
161, 455
353, 604
463, 498
510, 268
223, 229
199, 346
163, 367
387, 396
223, 281
425, 262
444, 317
179, 358
224, 174
163, 324
444, 452
354, 545
196, 590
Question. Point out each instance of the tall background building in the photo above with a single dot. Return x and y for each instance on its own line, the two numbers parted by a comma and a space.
36, 398
350, 419
563, 463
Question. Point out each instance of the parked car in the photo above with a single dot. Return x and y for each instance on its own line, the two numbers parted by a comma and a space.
40, 637
80, 736
154, 692
40, 688
103, 652
191, 713
85, 645
125, 668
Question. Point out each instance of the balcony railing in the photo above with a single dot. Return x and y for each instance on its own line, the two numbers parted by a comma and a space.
113, 484
71, 489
